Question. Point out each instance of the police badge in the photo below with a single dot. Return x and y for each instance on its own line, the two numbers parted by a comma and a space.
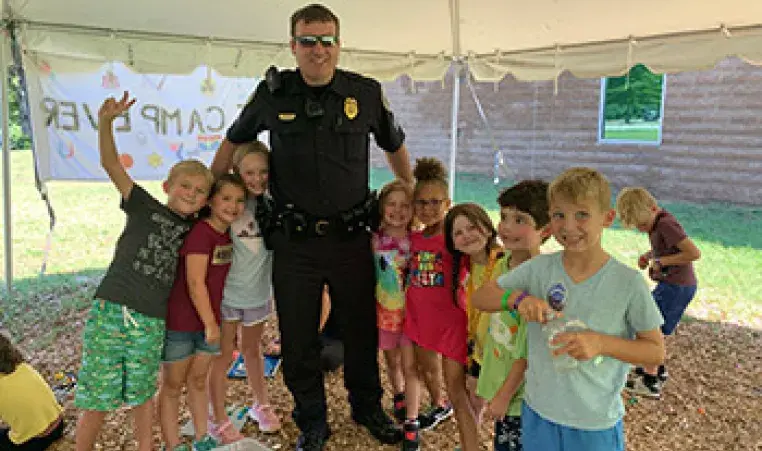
350, 108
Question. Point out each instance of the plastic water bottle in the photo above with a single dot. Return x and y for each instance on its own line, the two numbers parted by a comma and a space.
563, 362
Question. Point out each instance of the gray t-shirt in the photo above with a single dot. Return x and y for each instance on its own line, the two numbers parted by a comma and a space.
249, 282
614, 301
145, 260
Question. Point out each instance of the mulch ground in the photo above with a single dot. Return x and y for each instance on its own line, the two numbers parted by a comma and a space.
713, 400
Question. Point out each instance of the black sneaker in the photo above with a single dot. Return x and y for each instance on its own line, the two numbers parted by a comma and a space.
313, 439
398, 407
434, 416
647, 385
410, 439
662, 374
379, 425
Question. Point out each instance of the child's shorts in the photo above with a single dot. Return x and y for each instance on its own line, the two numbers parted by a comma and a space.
246, 316
672, 301
508, 434
121, 352
392, 340
181, 345
539, 434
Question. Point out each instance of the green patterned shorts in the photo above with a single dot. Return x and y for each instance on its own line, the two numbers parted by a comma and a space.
121, 352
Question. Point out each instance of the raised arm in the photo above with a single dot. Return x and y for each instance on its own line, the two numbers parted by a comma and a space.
108, 111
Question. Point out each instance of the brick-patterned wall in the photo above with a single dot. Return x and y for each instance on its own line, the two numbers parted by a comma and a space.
712, 132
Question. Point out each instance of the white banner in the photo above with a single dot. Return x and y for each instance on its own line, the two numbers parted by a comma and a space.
176, 117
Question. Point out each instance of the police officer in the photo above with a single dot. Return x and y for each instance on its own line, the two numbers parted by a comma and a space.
319, 119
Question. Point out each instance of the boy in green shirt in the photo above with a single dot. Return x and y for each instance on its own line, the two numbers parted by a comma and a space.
523, 228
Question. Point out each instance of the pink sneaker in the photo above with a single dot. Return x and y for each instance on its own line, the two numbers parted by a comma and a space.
264, 415
225, 433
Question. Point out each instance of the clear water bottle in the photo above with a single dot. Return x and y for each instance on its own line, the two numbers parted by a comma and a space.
556, 324
563, 362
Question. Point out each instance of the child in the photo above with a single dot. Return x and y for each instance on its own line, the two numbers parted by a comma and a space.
27, 404
246, 302
472, 239
193, 314
671, 266
123, 337
433, 323
579, 409
391, 246
523, 228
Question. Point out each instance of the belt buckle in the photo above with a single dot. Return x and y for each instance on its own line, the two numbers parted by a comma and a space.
321, 227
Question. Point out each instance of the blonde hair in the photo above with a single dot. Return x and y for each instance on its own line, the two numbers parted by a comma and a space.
247, 149
632, 204
190, 167
581, 184
388, 189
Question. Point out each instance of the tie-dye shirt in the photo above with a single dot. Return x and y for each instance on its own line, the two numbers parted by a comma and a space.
391, 256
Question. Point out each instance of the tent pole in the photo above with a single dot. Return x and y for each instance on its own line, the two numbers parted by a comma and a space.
457, 69
6, 168
456, 73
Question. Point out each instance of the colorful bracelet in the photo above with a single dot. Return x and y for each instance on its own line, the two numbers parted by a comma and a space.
504, 299
519, 299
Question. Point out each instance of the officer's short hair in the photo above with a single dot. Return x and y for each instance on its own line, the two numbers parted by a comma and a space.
313, 13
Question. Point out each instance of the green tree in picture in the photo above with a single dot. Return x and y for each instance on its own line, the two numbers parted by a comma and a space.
634, 98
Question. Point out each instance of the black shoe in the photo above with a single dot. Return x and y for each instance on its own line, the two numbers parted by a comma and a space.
433, 417
398, 407
379, 425
662, 374
313, 439
647, 385
410, 439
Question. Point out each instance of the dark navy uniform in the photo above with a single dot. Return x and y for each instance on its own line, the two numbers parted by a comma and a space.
319, 168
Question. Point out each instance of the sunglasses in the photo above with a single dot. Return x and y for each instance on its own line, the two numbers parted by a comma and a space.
311, 41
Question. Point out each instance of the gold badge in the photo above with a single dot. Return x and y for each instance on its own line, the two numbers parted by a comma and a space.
286, 117
350, 107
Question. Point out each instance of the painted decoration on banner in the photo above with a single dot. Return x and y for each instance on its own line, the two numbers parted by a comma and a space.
176, 117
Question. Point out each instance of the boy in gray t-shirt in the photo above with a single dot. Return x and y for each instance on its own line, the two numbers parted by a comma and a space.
124, 334
581, 408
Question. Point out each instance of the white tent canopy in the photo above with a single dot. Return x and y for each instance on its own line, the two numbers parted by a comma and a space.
533, 40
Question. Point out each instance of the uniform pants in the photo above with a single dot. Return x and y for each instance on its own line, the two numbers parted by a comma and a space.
300, 268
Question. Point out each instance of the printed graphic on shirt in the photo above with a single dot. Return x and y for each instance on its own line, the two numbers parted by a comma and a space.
427, 269
503, 334
158, 256
390, 267
247, 231
222, 255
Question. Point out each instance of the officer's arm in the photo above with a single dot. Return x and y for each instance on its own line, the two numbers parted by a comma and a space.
390, 137
223, 158
399, 162
245, 129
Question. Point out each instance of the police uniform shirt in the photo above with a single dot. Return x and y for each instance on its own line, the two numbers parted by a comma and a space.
320, 145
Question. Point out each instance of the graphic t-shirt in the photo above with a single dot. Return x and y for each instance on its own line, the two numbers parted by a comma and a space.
143, 269
202, 239
391, 256
432, 318
249, 282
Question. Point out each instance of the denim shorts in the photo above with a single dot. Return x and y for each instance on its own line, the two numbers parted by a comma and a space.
672, 301
181, 345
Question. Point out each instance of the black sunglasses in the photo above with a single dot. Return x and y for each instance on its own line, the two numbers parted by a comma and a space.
311, 41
